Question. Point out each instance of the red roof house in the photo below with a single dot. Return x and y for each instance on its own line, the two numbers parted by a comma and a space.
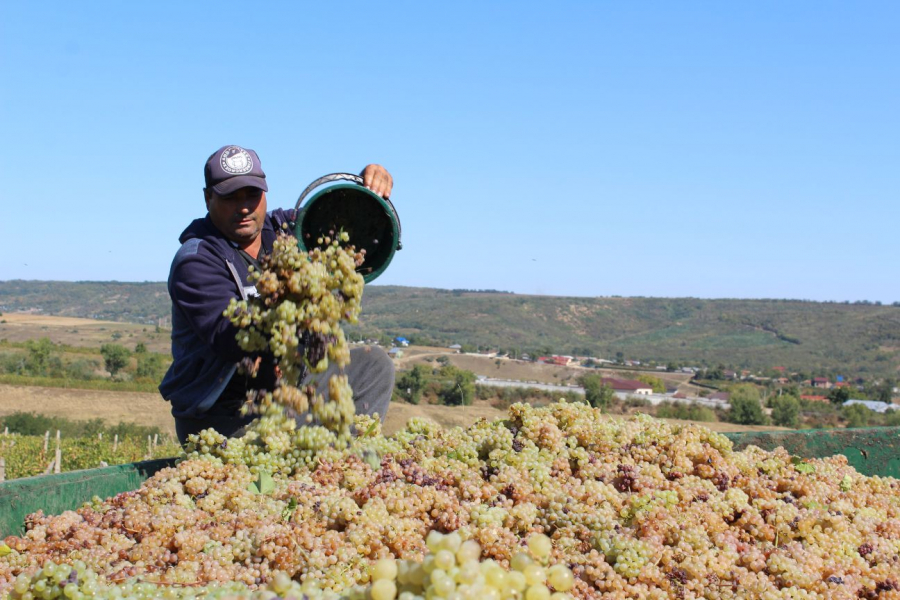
628, 386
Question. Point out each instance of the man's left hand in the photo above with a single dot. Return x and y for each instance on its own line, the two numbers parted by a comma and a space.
377, 179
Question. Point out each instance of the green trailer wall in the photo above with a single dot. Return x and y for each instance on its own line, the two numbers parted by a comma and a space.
871, 450
55, 494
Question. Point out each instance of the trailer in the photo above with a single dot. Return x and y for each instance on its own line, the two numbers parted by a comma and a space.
870, 450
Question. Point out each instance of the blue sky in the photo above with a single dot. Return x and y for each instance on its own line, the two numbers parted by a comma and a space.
743, 150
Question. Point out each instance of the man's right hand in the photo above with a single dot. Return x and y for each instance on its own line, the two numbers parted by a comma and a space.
377, 179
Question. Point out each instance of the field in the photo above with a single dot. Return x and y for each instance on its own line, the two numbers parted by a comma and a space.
151, 410
21, 327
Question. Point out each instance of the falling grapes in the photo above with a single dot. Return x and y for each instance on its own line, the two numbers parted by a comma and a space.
303, 299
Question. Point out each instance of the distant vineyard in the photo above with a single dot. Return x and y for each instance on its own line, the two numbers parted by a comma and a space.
29, 455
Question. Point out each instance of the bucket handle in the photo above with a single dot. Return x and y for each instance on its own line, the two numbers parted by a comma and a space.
358, 181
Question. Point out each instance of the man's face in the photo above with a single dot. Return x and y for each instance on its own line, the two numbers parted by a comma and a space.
239, 215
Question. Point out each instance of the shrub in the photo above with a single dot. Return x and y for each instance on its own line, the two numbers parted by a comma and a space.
636, 402
410, 384
596, 393
745, 406
685, 412
786, 411
39, 352
658, 385
115, 356
151, 366
12, 362
82, 369
857, 415
32, 424
460, 390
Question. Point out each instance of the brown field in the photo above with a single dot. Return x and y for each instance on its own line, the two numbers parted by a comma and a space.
20, 327
112, 407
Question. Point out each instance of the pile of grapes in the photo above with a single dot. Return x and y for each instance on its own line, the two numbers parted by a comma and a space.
550, 503
635, 509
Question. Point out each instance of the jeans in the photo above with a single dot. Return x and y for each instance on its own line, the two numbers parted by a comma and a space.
370, 373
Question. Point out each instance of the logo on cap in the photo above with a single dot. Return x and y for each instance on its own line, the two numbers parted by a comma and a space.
236, 161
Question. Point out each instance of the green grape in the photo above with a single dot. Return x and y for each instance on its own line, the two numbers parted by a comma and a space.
561, 578
383, 589
386, 568
540, 546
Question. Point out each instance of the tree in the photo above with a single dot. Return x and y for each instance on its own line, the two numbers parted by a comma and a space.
461, 389
150, 366
658, 385
596, 393
115, 356
745, 406
885, 391
39, 352
140, 348
857, 415
786, 411
839, 395
412, 383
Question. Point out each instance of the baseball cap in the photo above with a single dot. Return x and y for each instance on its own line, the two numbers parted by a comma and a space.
233, 167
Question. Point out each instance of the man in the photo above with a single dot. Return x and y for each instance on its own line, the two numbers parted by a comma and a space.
211, 268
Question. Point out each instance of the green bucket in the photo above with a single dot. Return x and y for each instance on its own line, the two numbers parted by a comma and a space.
370, 220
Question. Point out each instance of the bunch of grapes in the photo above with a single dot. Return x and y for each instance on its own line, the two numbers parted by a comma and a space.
303, 298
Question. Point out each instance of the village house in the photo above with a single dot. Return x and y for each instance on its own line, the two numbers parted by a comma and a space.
562, 361
628, 386
821, 382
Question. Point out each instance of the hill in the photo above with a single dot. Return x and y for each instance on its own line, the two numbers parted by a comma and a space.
813, 337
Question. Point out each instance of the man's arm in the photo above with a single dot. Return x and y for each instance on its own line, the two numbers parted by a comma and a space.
201, 288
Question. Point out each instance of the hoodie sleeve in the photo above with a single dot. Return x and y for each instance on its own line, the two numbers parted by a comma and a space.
201, 287
283, 219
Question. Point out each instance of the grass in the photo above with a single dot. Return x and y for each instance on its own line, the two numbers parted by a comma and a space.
80, 384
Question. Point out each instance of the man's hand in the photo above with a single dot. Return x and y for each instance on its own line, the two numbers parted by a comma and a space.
377, 179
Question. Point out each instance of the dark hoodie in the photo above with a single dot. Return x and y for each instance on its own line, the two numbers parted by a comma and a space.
206, 274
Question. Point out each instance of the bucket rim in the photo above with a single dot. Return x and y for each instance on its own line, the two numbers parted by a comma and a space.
385, 205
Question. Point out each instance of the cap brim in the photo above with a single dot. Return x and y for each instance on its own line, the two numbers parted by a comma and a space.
236, 183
